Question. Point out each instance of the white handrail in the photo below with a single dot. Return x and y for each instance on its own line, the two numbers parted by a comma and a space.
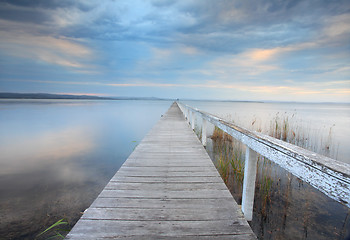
328, 175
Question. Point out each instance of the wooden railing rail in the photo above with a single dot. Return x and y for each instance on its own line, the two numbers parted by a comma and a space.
328, 175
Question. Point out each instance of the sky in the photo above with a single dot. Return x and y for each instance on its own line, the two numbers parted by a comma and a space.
279, 50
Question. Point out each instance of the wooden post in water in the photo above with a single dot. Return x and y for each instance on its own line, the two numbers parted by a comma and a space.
204, 132
249, 183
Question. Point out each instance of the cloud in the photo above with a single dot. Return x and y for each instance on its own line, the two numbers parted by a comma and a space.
262, 54
189, 50
31, 30
83, 5
58, 51
243, 45
240, 67
21, 14
211, 25
336, 30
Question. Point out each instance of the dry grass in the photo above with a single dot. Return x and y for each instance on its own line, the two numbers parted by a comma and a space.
220, 135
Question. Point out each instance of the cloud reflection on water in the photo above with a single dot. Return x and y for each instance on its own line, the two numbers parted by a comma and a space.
27, 152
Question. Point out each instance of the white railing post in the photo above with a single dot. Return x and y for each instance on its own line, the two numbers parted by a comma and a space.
204, 132
249, 183
184, 112
188, 115
193, 119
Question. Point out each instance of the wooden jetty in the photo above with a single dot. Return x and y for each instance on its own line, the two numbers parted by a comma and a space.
168, 188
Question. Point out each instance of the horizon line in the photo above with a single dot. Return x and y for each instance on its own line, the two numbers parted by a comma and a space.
96, 96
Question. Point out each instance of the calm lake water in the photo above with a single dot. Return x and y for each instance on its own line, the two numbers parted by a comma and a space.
57, 155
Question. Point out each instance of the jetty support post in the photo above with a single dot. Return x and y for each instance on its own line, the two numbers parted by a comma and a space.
204, 132
249, 183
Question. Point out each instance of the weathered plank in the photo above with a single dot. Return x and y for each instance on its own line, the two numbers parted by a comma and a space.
166, 194
158, 203
208, 179
167, 189
138, 229
167, 174
204, 214
164, 186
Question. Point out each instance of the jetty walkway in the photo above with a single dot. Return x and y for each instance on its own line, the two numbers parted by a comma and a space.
168, 188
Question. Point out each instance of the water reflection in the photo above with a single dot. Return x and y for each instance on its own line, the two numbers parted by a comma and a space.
45, 148
57, 155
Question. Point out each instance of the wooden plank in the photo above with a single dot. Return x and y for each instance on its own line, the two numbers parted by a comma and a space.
166, 169
161, 214
168, 179
191, 173
164, 186
94, 229
168, 203
165, 164
167, 189
166, 194
241, 236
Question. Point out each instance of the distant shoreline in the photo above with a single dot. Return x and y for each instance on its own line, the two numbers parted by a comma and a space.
69, 97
